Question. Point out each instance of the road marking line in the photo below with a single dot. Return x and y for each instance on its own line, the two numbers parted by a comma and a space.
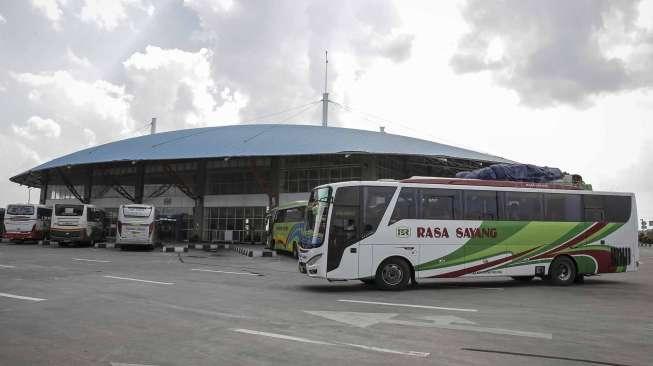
91, 260
127, 364
407, 305
6, 266
387, 350
21, 297
312, 341
281, 336
139, 280
228, 272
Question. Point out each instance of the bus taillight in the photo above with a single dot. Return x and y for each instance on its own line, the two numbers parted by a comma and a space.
151, 228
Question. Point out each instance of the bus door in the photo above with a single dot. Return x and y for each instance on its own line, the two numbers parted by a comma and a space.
344, 233
356, 215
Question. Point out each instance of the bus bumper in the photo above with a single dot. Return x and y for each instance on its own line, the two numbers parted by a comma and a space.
21, 235
67, 236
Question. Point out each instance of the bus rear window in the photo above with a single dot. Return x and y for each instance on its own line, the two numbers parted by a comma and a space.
68, 210
20, 210
136, 211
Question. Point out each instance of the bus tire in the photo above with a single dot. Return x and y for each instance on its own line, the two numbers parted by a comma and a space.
393, 274
562, 271
523, 278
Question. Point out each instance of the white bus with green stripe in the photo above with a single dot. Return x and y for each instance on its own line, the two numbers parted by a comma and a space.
393, 233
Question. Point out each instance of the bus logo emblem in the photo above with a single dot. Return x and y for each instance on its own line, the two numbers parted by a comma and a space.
403, 232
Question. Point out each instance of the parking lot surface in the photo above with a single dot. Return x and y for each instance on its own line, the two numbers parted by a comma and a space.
87, 306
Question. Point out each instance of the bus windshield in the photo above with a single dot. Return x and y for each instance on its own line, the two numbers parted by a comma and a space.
136, 211
316, 218
20, 210
68, 210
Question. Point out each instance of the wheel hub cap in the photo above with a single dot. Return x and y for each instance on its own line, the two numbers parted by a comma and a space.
392, 274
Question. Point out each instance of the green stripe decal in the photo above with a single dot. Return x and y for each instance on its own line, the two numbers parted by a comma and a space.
477, 247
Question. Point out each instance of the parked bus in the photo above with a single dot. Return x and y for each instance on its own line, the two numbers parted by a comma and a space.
77, 224
2, 222
136, 226
392, 233
27, 222
285, 225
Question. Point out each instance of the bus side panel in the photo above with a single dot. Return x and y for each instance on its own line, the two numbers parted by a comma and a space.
348, 267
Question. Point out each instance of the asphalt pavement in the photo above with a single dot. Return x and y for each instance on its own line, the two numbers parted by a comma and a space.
87, 306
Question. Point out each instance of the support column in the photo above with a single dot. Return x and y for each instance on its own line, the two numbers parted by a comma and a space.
369, 167
44, 188
88, 185
199, 191
273, 196
139, 186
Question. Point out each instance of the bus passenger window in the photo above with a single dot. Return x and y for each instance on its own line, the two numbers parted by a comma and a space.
294, 215
562, 207
436, 207
281, 216
406, 207
525, 206
375, 203
594, 209
480, 205
618, 208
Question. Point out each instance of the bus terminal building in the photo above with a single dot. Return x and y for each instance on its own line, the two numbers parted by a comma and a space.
218, 182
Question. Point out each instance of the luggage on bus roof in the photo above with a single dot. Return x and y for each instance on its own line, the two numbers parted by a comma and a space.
514, 172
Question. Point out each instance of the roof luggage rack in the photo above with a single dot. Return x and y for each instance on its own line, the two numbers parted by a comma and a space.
491, 183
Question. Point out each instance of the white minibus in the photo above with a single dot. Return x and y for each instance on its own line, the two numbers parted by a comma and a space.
27, 222
136, 226
77, 224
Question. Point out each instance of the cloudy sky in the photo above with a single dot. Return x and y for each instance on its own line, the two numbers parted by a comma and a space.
558, 83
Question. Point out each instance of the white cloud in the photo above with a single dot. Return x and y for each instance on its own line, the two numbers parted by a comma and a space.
2, 19
99, 104
177, 86
38, 129
557, 52
51, 9
109, 14
78, 61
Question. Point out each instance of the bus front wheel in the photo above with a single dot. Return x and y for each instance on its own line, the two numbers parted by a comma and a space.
562, 271
393, 274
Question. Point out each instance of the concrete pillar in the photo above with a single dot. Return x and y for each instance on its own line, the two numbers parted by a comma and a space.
88, 185
44, 188
369, 167
139, 186
275, 184
199, 190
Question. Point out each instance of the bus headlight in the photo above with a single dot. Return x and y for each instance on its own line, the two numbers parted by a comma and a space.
313, 260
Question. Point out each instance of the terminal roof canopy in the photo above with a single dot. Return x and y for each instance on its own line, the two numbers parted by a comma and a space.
258, 140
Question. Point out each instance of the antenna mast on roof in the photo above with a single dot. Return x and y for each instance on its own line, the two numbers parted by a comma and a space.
325, 95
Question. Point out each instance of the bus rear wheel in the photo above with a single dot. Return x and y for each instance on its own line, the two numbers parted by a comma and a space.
393, 274
562, 271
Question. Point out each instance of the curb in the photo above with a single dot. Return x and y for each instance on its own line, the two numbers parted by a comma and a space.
105, 245
210, 246
174, 249
254, 252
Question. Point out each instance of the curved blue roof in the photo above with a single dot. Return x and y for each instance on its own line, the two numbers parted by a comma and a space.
260, 140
